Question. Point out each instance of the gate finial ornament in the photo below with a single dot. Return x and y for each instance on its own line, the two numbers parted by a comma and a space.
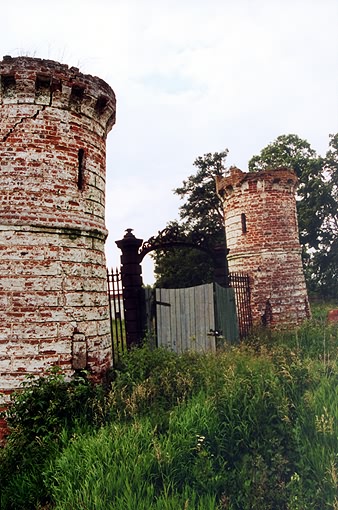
129, 232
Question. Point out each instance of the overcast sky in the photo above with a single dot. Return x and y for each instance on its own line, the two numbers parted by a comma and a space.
190, 76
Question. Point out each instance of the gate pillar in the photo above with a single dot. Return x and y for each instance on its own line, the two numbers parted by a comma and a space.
133, 293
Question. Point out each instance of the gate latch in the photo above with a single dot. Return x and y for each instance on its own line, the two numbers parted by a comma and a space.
214, 332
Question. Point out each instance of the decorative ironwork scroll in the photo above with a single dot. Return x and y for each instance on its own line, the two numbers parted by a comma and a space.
171, 237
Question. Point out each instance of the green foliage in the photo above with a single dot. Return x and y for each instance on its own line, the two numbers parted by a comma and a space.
202, 211
324, 262
152, 382
182, 267
201, 215
127, 467
179, 267
254, 427
46, 405
38, 416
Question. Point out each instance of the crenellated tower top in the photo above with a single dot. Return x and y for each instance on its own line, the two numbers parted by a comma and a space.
27, 80
53, 127
277, 179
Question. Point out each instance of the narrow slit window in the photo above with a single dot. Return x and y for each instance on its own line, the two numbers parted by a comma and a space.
81, 167
243, 220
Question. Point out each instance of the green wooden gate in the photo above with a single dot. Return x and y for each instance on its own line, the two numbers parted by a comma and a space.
198, 318
225, 314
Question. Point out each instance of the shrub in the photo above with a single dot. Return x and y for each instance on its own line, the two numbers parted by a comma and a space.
38, 416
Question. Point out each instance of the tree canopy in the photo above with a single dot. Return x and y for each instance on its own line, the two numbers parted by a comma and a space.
201, 214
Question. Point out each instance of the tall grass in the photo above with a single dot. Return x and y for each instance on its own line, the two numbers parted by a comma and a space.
252, 427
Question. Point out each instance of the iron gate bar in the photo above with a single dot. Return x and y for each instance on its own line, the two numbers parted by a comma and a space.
110, 315
117, 293
241, 283
116, 311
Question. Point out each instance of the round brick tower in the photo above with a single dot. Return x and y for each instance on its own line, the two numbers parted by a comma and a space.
54, 122
262, 238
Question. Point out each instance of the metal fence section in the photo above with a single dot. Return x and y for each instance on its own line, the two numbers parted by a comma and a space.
240, 282
116, 309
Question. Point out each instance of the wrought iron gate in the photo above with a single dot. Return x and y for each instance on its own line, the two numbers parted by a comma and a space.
240, 282
116, 309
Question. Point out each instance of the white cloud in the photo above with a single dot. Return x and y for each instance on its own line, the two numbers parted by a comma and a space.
191, 76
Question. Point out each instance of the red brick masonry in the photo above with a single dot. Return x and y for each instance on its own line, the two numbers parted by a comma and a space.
262, 238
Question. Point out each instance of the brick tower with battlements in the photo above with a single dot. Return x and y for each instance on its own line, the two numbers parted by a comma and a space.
54, 121
263, 240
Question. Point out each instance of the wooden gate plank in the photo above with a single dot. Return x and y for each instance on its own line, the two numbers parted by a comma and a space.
185, 317
226, 316
164, 337
191, 338
211, 340
176, 319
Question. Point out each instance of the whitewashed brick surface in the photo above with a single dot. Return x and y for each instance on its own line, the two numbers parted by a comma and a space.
52, 234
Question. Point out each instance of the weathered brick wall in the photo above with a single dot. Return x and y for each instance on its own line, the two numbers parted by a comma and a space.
53, 300
262, 238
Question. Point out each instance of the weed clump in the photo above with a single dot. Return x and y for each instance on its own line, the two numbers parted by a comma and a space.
40, 418
251, 428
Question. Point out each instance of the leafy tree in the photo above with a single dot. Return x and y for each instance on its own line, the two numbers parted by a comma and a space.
202, 210
324, 262
182, 267
201, 216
